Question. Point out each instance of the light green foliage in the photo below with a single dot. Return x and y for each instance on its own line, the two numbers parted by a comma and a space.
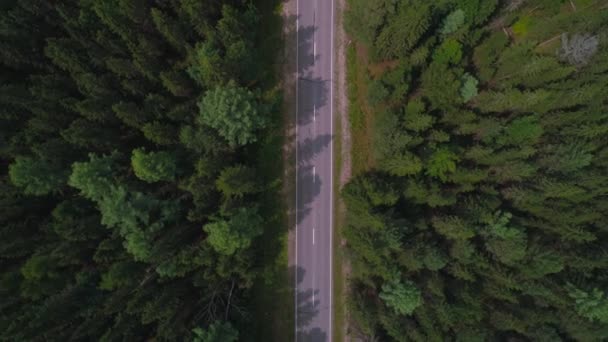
235, 232
403, 297
35, 176
129, 213
441, 163
452, 22
453, 227
592, 305
469, 87
449, 52
234, 112
153, 166
522, 25
93, 177
403, 165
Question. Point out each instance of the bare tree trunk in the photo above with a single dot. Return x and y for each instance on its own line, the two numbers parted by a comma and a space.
549, 40
228, 303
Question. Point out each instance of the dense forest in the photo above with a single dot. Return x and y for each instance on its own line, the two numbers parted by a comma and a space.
132, 187
481, 213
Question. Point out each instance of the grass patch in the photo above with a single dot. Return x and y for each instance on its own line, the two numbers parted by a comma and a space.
337, 260
360, 116
361, 158
522, 26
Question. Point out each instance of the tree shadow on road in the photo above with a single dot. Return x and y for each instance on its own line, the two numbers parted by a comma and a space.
309, 187
307, 310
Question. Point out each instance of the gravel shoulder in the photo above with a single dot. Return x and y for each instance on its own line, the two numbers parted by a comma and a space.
343, 164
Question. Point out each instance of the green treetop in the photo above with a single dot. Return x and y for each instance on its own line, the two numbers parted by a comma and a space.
227, 235
217, 332
234, 112
404, 298
153, 166
35, 176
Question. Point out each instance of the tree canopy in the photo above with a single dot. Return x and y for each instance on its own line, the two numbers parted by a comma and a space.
476, 208
111, 168
234, 112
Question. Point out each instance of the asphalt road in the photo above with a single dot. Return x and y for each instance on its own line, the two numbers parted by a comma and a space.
314, 180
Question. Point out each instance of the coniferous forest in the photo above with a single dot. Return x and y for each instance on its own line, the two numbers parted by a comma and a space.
481, 212
132, 185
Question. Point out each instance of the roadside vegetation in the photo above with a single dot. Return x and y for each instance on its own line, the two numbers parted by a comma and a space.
481, 212
137, 197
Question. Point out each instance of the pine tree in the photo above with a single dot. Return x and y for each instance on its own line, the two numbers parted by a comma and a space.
37, 177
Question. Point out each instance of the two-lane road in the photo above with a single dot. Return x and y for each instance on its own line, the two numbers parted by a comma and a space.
314, 180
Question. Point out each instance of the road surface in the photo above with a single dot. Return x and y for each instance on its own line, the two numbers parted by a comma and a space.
314, 180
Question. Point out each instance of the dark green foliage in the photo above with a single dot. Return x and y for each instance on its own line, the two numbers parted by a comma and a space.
110, 172
36, 177
376, 93
365, 18
481, 216
405, 27
238, 181
216, 332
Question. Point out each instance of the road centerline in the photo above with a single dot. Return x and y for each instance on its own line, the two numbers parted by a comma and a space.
314, 158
